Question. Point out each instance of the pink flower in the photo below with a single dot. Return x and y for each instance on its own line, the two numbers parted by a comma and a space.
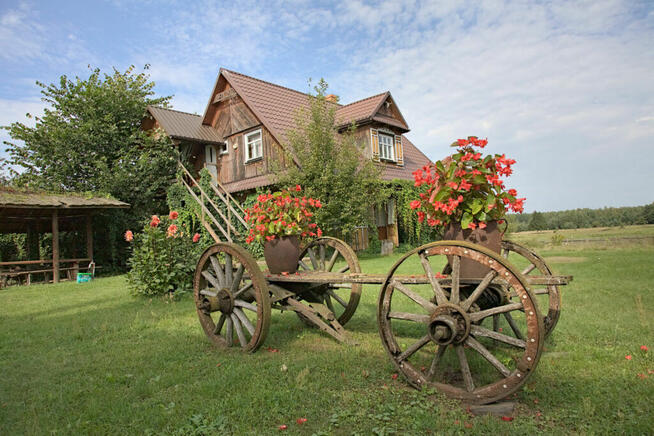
628, 357
173, 215
172, 229
129, 236
154, 221
196, 237
644, 348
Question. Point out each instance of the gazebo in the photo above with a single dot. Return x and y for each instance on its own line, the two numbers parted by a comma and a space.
35, 213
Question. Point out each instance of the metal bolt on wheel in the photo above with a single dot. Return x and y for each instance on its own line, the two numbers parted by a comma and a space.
441, 334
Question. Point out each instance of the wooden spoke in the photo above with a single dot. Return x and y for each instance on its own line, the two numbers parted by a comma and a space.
229, 331
304, 265
244, 320
456, 267
242, 290
435, 284
540, 291
245, 305
435, 361
529, 269
477, 330
465, 368
208, 293
218, 270
219, 325
514, 326
337, 298
330, 305
478, 316
314, 261
344, 269
414, 347
237, 278
332, 260
423, 319
211, 279
321, 252
239, 330
229, 270
481, 287
472, 343
427, 305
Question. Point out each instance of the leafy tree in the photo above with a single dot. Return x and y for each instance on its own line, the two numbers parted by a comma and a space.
331, 167
89, 139
648, 213
537, 222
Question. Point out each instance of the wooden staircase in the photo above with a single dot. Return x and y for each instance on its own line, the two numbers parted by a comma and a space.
217, 221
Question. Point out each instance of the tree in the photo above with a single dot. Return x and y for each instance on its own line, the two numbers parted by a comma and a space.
89, 139
538, 221
331, 167
648, 213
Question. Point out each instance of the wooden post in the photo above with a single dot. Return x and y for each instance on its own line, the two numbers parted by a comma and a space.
89, 237
55, 246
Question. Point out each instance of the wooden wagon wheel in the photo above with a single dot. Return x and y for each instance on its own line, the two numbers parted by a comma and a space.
547, 296
418, 323
332, 255
232, 297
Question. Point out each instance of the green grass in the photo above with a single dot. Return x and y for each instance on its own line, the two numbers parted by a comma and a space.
90, 358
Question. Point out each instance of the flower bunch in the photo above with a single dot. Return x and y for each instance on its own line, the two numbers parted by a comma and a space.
171, 231
282, 213
466, 187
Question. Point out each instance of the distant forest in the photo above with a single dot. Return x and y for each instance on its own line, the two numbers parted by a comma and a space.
582, 218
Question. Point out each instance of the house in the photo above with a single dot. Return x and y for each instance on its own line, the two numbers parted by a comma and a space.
242, 132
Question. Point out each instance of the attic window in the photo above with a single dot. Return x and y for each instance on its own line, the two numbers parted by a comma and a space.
253, 145
386, 147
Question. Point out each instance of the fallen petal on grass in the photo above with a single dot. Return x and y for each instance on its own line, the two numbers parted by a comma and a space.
628, 357
283, 427
301, 421
507, 418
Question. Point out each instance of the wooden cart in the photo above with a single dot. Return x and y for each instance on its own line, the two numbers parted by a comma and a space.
492, 325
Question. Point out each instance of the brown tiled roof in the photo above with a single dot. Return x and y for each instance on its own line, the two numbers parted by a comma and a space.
245, 184
413, 159
360, 110
182, 125
15, 198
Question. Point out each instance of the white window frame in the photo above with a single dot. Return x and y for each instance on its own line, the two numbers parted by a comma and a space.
382, 147
223, 149
258, 148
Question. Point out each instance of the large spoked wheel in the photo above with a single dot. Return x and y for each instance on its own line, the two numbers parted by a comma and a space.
232, 297
332, 255
438, 334
532, 263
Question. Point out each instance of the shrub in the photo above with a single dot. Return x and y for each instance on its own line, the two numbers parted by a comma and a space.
163, 258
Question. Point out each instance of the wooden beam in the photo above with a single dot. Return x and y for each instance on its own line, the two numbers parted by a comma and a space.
55, 246
89, 237
225, 95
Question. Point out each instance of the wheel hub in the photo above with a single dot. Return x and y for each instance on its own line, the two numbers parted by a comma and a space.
449, 324
225, 301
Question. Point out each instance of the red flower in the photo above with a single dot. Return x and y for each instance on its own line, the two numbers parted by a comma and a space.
298, 188
196, 237
394, 376
472, 226
129, 236
482, 225
283, 427
301, 421
319, 233
172, 229
628, 357
173, 215
155, 221
507, 418
463, 142
644, 347
415, 204
512, 192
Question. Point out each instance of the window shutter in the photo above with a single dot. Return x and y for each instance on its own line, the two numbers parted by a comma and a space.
374, 140
399, 152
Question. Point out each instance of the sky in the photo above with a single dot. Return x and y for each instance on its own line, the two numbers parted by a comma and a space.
564, 87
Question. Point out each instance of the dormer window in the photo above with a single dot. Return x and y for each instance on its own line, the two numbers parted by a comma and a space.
386, 151
253, 145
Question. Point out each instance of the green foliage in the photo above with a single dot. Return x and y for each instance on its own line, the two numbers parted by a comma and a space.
648, 213
163, 261
89, 139
537, 221
331, 168
411, 230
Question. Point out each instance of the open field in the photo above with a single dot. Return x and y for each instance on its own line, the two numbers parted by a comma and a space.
90, 358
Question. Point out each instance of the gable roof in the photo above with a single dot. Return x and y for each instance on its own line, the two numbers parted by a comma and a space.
182, 125
367, 110
413, 159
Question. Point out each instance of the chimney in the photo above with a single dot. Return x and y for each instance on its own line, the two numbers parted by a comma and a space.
331, 98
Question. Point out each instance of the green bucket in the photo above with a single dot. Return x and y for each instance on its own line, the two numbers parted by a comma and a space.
84, 277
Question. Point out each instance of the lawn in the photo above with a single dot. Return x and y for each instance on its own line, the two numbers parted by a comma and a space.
89, 358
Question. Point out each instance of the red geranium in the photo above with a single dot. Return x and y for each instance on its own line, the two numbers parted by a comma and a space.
154, 222
466, 188
196, 237
173, 215
172, 229
282, 213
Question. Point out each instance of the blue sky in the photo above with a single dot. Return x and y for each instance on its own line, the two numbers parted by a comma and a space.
565, 88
